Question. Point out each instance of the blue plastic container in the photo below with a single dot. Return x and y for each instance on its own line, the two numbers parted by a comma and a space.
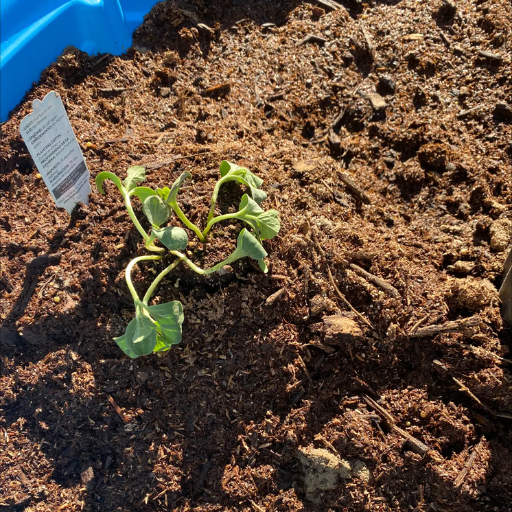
35, 32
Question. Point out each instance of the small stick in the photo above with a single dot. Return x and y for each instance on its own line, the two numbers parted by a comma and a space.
414, 328
355, 189
416, 446
455, 326
306, 371
384, 285
311, 38
467, 466
218, 89
341, 296
347, 303
118, 409
468, 392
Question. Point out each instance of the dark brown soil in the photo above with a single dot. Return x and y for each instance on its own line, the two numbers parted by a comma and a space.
216, 423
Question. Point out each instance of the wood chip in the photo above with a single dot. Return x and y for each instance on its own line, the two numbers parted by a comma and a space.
378, 281
353, 187
453, 326
218, 89
118, 409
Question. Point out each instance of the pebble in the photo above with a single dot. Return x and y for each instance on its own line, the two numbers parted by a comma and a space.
165, 91
377, 101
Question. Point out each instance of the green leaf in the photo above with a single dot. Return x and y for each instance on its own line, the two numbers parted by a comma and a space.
123, 345
169, 312
173, 237
163, 193
135, 175
156, 210
265, 224
249, 244
232, 172
269, 224
169, 317
141, 335
161, 344
171, 198
263, 265
105, 175
248, 205
246, 245
142, 193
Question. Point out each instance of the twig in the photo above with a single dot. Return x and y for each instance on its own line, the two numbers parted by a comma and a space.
341, 296
414, 328
118, 409
347, 303
416, 446
455, 326
467, 466
354, 188
306, 371
384, 285
311, 38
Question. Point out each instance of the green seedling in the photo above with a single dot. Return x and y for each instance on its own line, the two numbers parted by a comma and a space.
156, 328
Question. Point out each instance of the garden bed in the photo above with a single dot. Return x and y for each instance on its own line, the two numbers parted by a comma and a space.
382, 143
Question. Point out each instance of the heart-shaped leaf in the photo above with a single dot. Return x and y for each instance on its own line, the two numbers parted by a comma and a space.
156, 210
250, 245
169, 317
141, 335
123, 345
232, 172
135, 175
173, 237
250, 206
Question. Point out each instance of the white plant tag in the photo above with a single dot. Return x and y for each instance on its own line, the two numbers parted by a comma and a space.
52, 144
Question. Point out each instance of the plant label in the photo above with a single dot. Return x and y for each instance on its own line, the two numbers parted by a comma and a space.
52, 144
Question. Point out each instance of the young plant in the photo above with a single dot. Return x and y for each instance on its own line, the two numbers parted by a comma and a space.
156, 328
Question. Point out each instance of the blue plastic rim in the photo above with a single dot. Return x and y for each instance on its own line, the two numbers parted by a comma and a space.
34, 34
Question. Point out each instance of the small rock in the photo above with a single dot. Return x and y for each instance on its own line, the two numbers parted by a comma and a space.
377, 101
501, 234
341, 329
164, 92
87, 477
360, 470
143, 377
386, 85
322, 471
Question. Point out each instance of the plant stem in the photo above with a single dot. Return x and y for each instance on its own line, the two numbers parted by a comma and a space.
214, 199
140, 229
177, 210
129, 271
193, 266
218, 219
157, 280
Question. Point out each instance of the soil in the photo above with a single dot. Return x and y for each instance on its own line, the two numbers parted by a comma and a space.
408, 99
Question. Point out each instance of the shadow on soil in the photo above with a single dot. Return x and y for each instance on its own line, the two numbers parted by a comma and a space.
196, 412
